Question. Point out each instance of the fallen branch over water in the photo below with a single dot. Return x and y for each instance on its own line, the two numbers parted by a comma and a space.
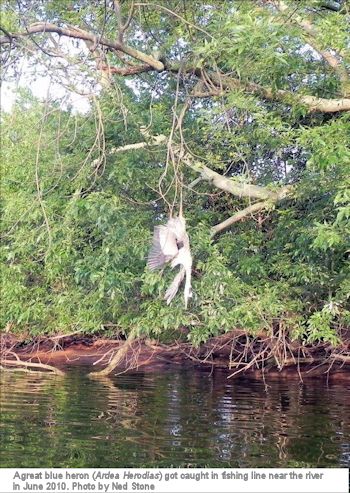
26, 365
10, 358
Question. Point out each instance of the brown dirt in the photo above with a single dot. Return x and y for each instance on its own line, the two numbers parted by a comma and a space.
260, 356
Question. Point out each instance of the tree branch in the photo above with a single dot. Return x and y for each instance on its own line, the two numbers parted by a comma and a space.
231, 185
155, 141
125, 71
174, 14
313, 103
122, 27
223, 83
311, 38
224, 183
258, 206
28, 364
77, 33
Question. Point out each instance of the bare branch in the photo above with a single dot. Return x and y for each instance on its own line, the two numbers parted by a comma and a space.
117, 10
219, 81
122, 27
242, 214
28, 364
194, 183
128, 20
156, 140
125, 71
230, 185
224, 84
117, 357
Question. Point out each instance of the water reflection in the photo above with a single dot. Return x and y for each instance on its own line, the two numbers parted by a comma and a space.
176, 418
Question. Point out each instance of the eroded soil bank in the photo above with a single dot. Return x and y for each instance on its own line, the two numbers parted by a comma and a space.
259, 356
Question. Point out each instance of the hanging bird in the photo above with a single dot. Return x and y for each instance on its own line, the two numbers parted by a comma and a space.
171, 244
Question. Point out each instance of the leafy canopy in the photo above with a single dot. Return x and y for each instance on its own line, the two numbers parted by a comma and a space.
78, 216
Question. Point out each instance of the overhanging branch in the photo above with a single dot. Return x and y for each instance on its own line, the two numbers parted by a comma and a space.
232, 186
227, 184
77, 33
312, 103
219, 83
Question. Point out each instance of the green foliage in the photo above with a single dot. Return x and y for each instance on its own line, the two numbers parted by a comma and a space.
78, 217
328, 145
319, 326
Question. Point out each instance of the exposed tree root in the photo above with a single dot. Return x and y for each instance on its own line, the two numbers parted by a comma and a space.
236, 351
276, 351
118, 356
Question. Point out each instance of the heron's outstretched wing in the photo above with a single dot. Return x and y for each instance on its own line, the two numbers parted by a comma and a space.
164, 247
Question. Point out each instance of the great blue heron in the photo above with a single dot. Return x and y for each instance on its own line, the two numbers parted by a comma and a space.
171, 244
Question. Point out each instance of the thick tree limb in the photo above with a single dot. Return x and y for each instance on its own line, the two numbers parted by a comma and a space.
242, 214
76, 33
224, 183
313, 103
221, 84
125, 71
231, 185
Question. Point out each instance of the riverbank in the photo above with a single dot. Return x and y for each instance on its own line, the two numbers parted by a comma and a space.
236, 351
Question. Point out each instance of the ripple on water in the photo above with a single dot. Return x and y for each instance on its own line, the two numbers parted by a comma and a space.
175, 418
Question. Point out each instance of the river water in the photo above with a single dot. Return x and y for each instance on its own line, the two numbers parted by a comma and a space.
177, 417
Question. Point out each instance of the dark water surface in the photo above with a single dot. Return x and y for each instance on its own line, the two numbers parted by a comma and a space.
172, 418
